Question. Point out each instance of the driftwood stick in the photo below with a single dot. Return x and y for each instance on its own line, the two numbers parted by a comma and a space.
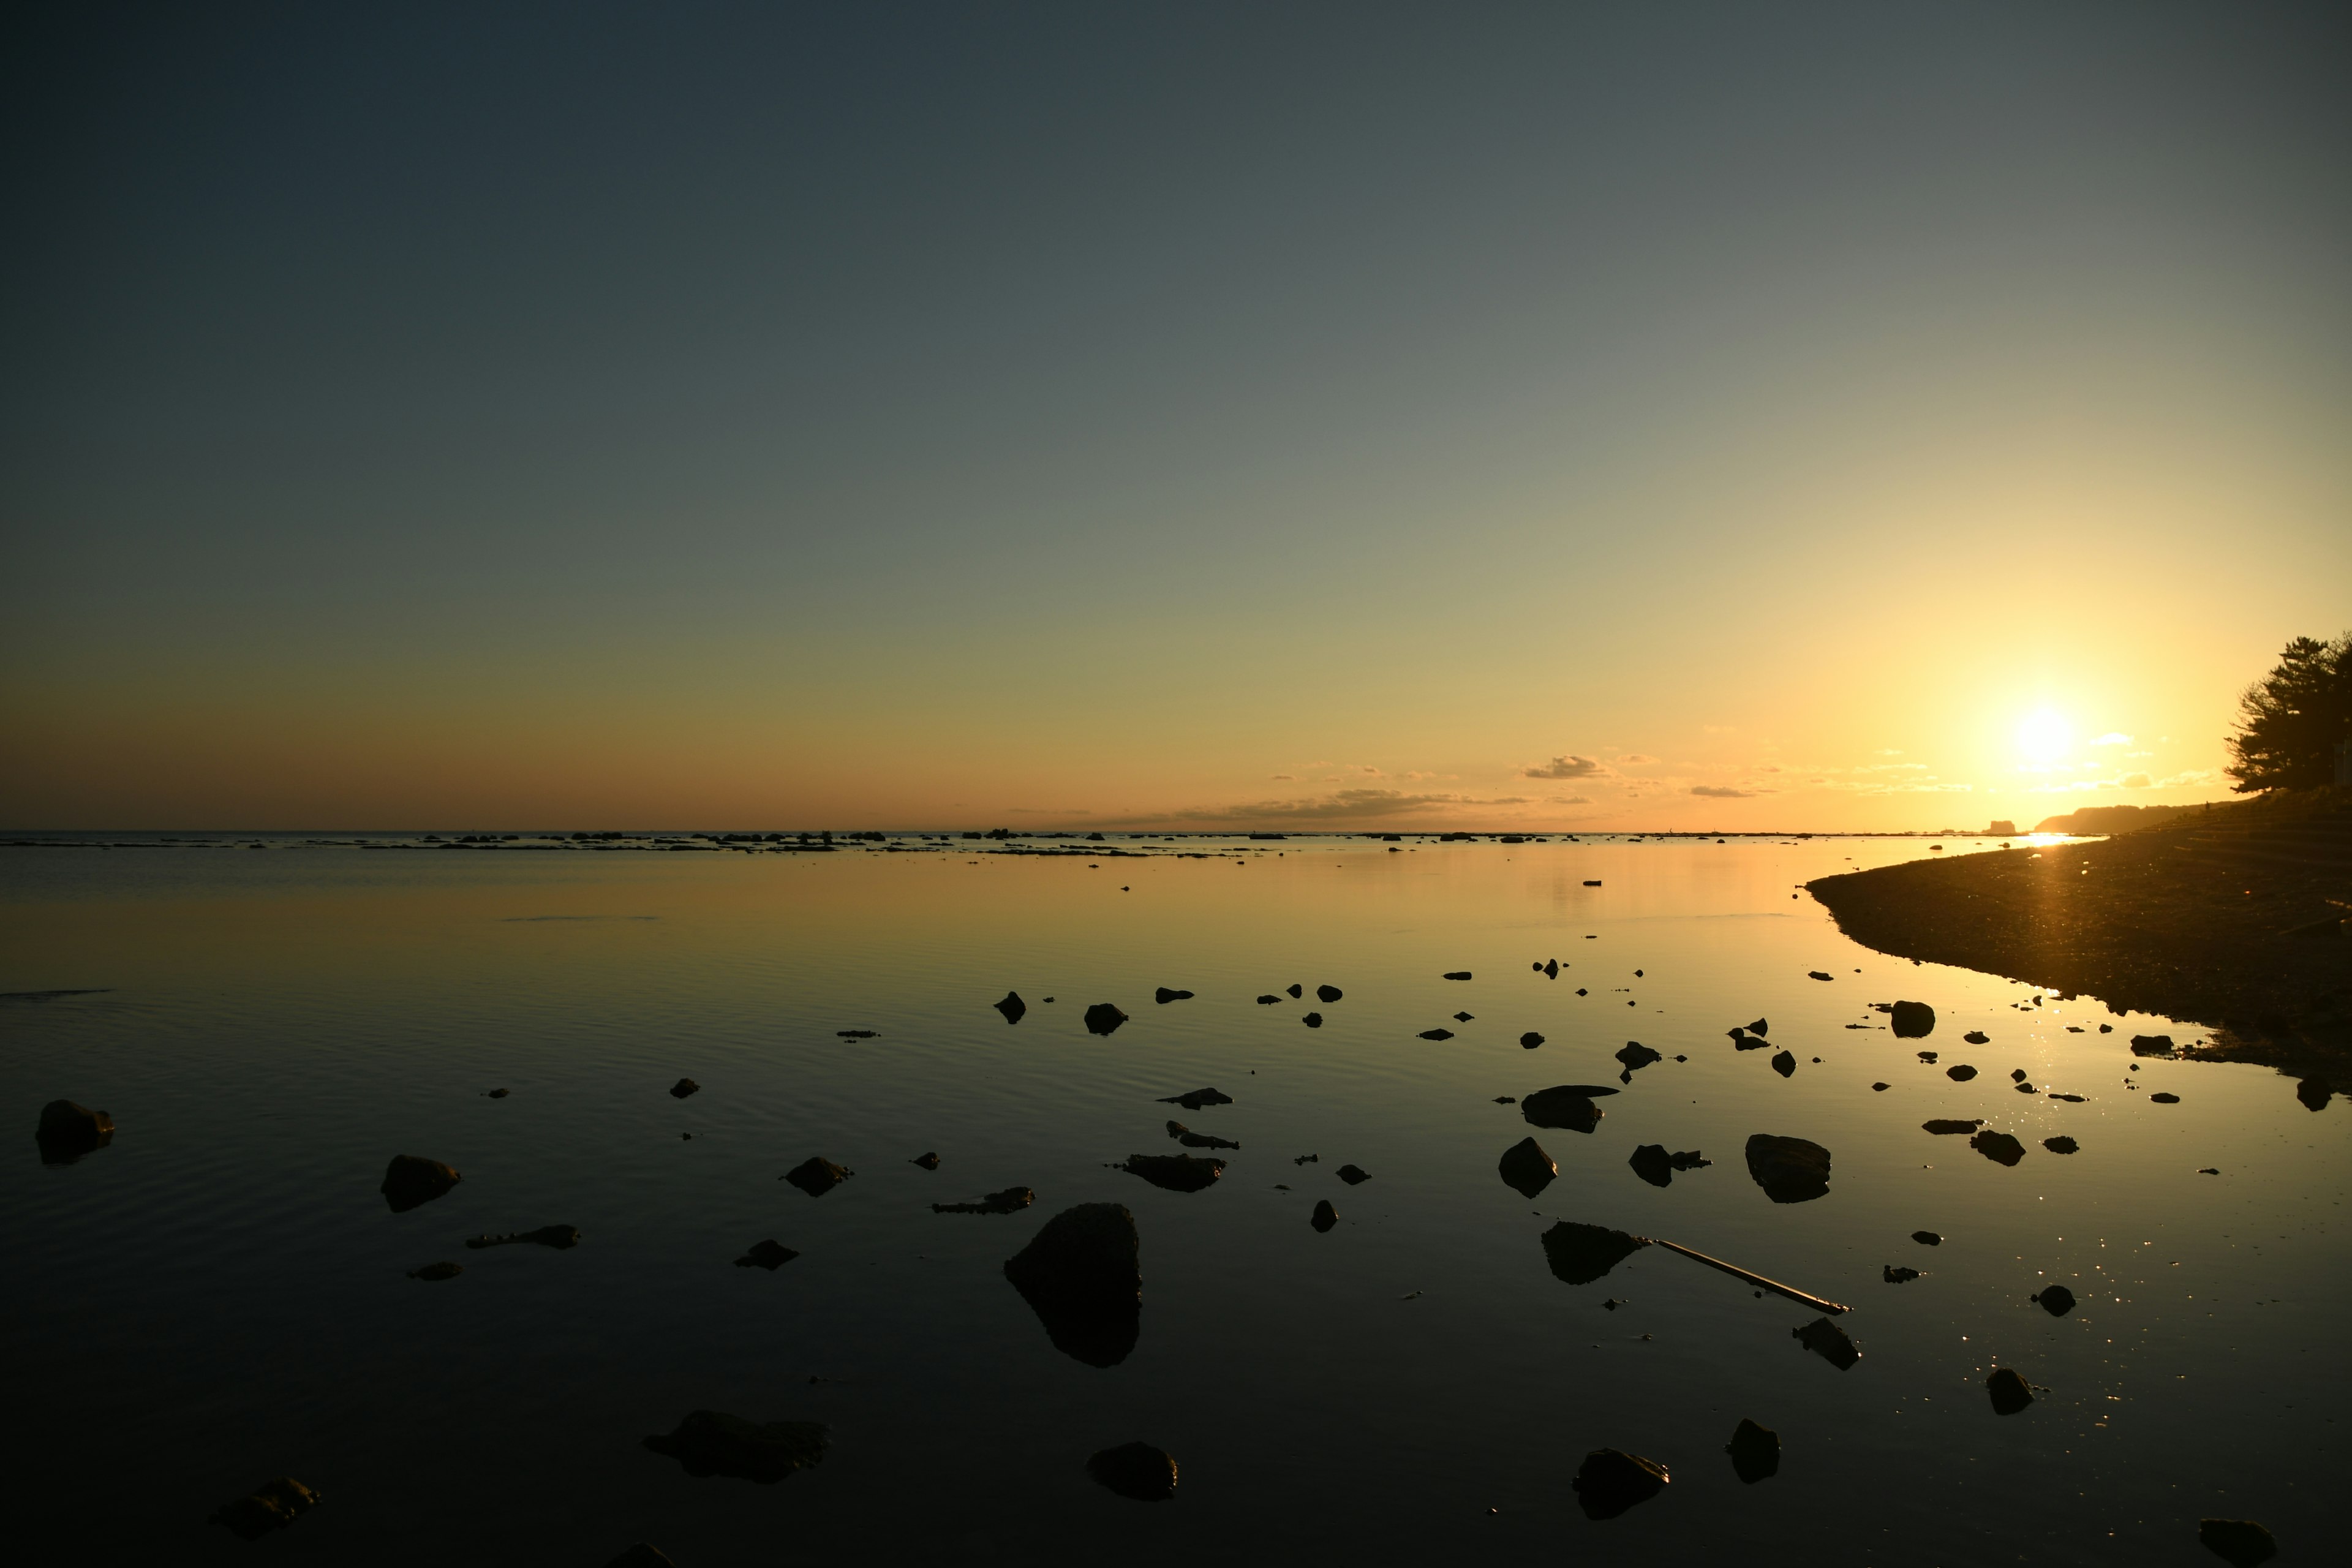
1736, 1272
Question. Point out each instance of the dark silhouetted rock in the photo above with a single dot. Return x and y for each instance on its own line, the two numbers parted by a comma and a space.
1464, 1018
1354, 1175
1176, 1172
1135, 1470
683, 1088
1760, 1026
2313, 1093
1191, 1140
1827, 1340
435, 1272
2151, 1045
1526, 1169
1562, 1106
1790, 1170
1977, 1037
642, 1554
712, 1443
1948, 1126
1636, 1055
1437, 1034
1755, 1452
67, 1130
1013, 1007
1581, 1254
854, 1034
1308, 1160
1313, 1020
1610, 1481
1927, 1238
1818, 974
1896, 1274
1325, 1216
1744, 1041
1457, 974
1911, 1020
2011, 1393
1079, 1274
1784, 1064
1998, 1147
2061, 1144
1653, 1164
2055, 1300
817, 1175
411, 1180
2238, 1541
559, 1237
1194, 1098
1164, 995
768, 1255
1530, 1040
1012, 1200
1102, 1018
496, 1094
272, 1506
1551, 970
1295, 992
927, 1161
1880, 1088
1928, 1057
1327, 994
1961, 1072
1268, 1000
2164, 1100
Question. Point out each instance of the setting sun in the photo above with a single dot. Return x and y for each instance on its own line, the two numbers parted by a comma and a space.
2044, 736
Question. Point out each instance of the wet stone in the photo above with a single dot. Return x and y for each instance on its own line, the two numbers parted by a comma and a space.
1327, 994
817, 1175
1755, 1452
1136, 1470
1457, 974
2061, 1144
2010, 1392
1530, 1040
1790, 1170
1568, 1106
770, 1254
1610, 1481
1079, 1274
1437, 1034
713, 1443
1464, 1018
1581, 1254
497, 1094
1164, 995
411, 1180
1961, 1073
2164, 1099
67, 1130
1174, 1173
1526, 1169
1636, 1055
1784, 1062
1012, 1200
1911, 1020
1354, 1175
929, 1162
1296, 991
1947, 1126
2240, 1542
1191, 1140
271, 1506
1927, 1238
562, 1237
2055, 1300
1325, 1216
683, 1088
432, 1273
1977, 1037
1312, 1020
1896, 1274
1194, 1098
1829, 1341
1998, 1147
1268, 1000
1102, 1018
1013, 1007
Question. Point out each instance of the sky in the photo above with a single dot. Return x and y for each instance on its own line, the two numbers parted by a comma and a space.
1701, 416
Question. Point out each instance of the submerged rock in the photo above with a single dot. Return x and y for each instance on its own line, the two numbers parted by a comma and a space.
1637, 1055
1551, 969
2240, 1542
1911, 1020
432, 1273
1653, 1164
1268, 1000
1818, 974
1790, 1170
1977, 1037
1194, 1098
1437, 1034
271, 1506
1164, 995
1827, 1340
1325, 1216
713, 1443
642, 1554
1564, 1105
817, 1175
1947, 1126
1961, 1073
1784, 1062
1927, 1238
1760, 1026
1755, 1452
1176, 1172
411, 1180
1464, 1018
2164, 1100
770, 1254
559, 1237
1312, 1020
1998, 1147
1012, 1200
1610, 1481
1580, 1253
1526, 1169
1013, 1007
1295, 992
1530, 1040
1457, 974
1354, 1175
929, 1162
2061, 1144
1191, 1140
1327, 994
1135, 1470
67, 1130
683, 1088
2010, 1392
1896, 1274
1102, 1018
2055, 1300
1080, 1275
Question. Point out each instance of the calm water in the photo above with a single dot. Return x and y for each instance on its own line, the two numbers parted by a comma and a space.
220, 1297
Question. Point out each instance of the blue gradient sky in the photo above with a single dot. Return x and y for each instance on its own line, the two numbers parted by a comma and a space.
608, 416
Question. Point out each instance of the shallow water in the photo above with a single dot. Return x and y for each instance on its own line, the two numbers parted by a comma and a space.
220, 1295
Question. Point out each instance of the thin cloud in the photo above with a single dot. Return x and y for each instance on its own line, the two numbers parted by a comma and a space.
1285, 778
1342, 805
1636, 760
1725, 791
1569, 767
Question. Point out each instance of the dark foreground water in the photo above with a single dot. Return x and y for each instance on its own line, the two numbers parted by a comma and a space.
221, 1296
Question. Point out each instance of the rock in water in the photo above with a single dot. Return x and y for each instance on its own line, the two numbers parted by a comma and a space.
2164, 1100
1637, 1055
2055, 1300
1191, 1140
1164, 995
1952, 1126
1325, 1216
1551, 970
1562, 1106
1653, 1164
1312, 1020
1927, 1238
1526, 1169
1327, 994
1135, 1470
411, 1180
1911, 1020
768, 1255
1784, 1062
1176, 1172
1437, 1034
2238, 1541
1755, 1452
1080, 1275
273, 1505
929, 1162
1354, 1175
1961, 1073
1894, 1274
817, 1175
1818, 974
683, 1088
1581, 1254
561, 1236
1268, 1000
1530, 1040
1998, 1147
1013, 1007
1012, 1200
2011, 1393
1827, 1340
642, 1554
69, 1131
1457, 974
1102, 1018
1790, 1170
432, 1273
2061, 1144
1611, 1481
713, 1443
1760, 1026
1296, 991
1194, 1099
1977, 1037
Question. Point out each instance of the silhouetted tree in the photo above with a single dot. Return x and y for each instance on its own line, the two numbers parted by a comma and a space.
2294, 719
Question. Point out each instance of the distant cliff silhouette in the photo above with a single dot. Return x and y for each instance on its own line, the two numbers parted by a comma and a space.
2095, 820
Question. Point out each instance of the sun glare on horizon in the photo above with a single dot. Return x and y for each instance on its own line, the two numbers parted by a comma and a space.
2044, 736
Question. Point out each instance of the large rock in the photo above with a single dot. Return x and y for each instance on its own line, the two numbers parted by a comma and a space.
817, 1175
1102, 1018
1610, 1481
1135, 1470
1755, 1452
1911, 1020
67, 1130
2238, 1541
2010, 1392
1580, 1253
1790, 1170
1526, 1169
411, 1180
1081, 1276
1563, 1105
271, 1506
713, 1443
